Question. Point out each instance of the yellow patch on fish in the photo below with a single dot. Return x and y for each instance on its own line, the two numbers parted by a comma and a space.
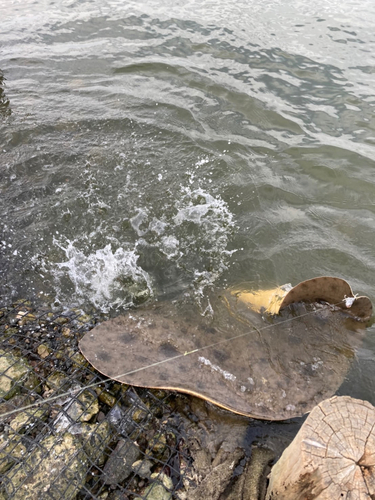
263, 301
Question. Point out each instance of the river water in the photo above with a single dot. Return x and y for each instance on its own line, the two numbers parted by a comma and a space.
163, 148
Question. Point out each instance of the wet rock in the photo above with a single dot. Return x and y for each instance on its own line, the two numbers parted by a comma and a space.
76, 358
159, 393
105, 397
26, 420
157, 445
95, 438
140, 296
121, 421
57, 380
142, 468
13, 371
165, 480
77, 408
22, 302
24, 317
84, 318
66, 332
61, 320
90, 405
32, 383
252, 483
7, 408
160, 489
116, 495
61, 355
102, 496
219, 476
10, 331
11, 451
56, 467
44, 351
119, 463
139, 415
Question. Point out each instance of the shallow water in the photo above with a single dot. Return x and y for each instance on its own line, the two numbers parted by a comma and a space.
164, 148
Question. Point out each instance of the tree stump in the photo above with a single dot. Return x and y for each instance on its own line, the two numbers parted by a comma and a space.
332, 457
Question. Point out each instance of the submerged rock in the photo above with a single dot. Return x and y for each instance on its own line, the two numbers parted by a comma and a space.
55, 468
26, 420
14, 371
142, 468
80, 408
157, 445
24, 317
105, 397
95, 438
58, 380
119, 464
44, 351
159, 489
11, 451
8, 409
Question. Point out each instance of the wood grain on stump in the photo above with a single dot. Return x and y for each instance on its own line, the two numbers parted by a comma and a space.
332, 457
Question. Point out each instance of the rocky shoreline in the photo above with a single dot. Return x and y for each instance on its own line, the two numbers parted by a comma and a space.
68, 433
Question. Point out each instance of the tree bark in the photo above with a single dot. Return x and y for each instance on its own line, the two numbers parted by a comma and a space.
332, 457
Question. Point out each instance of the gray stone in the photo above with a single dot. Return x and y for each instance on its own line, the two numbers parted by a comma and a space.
9, 409
57, 380
142, 468
121, 421
219, 476
95, 438
158, 490
77, 408
119, 464
157, 445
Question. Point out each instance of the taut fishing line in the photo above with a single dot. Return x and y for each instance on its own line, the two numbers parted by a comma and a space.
178, 356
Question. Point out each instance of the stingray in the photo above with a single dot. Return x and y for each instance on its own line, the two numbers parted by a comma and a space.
270, 355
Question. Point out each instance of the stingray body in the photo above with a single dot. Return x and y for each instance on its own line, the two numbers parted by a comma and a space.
270, 366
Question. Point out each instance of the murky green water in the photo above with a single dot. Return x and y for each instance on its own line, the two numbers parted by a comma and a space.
171, 147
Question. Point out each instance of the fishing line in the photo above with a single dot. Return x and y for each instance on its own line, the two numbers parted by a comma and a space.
77, 391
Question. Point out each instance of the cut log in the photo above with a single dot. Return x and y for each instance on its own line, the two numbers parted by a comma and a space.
332, 457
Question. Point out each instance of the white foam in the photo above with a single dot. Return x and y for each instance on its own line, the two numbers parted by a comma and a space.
157, 226
103, 276
169, 246
138, 220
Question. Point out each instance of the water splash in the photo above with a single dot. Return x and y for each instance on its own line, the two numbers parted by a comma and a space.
179, 239
191, 236
106, 278
205, 224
